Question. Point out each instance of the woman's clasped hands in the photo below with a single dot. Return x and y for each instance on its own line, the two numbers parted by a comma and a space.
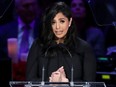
58, 76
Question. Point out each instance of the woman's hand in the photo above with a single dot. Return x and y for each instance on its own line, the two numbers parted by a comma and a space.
55, 77
58, 76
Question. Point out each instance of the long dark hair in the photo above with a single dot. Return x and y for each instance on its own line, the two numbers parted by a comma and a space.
48, 37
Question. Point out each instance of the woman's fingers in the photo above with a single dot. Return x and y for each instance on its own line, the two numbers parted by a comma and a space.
61, 70
55, 77
58, 76
50, 79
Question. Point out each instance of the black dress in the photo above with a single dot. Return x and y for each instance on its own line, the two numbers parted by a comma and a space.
82, 60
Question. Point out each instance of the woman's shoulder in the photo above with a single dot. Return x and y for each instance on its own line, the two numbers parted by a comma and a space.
36, 47
37, 43
81, 44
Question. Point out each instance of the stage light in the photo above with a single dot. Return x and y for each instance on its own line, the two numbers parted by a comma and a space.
106, 77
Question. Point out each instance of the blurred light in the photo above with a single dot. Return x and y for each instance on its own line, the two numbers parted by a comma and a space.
107, 77
103, 58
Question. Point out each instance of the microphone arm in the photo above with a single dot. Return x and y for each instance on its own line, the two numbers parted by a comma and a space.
72, 70
43, 68
43, 72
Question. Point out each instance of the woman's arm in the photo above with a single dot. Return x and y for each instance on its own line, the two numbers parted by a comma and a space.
89, 64
31, 67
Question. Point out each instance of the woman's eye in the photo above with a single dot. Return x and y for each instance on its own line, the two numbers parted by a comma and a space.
53, 22
62, 21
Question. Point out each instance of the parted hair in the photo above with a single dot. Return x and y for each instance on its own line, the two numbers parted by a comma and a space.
48, 36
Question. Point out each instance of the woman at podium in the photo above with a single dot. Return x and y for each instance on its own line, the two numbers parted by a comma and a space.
59, 55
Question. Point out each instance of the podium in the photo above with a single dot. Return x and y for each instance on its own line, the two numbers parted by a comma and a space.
55, 84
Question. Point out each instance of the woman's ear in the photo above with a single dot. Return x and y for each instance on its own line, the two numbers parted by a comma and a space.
70, 21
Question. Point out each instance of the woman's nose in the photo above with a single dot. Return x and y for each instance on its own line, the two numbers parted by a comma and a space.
57, 26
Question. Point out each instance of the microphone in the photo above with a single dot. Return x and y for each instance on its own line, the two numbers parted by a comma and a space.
72, 70
43, 73
43, 68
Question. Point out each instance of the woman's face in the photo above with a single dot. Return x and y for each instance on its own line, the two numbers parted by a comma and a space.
78, 8
60, 25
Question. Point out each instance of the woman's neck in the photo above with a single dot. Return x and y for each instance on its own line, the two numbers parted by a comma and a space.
60, 41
